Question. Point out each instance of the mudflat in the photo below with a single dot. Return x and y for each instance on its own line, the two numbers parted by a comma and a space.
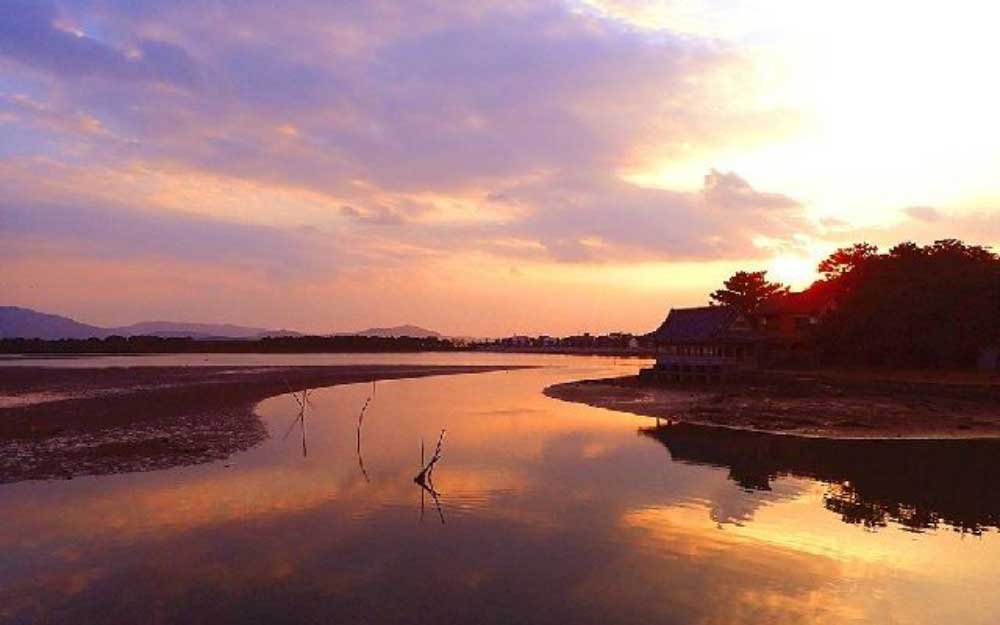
815, 405
66, 422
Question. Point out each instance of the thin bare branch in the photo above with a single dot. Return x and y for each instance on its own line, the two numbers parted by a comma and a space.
292, 393
361, 418
425, 473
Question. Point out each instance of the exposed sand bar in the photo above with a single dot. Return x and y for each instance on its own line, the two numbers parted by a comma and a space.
64, 422
815, 406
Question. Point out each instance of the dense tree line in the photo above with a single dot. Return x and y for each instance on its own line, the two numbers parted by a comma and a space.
269, 345
936, 305
919, 306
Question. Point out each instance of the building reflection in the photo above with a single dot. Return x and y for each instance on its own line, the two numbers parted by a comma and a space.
919, 484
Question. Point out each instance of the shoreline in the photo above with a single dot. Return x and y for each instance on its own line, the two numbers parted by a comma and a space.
814, 407
62, 422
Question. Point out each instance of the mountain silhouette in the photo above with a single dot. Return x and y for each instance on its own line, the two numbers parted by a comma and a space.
17, 322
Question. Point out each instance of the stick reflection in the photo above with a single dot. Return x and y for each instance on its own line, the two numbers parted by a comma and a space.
300, 419
425, 481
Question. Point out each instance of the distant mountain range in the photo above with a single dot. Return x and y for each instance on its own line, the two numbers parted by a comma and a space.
16, 322
397, 331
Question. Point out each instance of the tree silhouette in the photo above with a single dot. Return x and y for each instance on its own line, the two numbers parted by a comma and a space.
846, 260
746, 290
933, 305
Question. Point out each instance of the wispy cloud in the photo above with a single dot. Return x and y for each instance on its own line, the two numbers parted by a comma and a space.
306, 137
31, 33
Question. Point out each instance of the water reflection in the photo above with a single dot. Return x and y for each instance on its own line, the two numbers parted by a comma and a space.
425, 479
918, 484
300, 418
556, 513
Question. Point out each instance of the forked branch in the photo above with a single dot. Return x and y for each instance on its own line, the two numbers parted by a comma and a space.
425, 473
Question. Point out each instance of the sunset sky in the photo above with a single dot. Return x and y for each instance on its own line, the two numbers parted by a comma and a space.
479, 168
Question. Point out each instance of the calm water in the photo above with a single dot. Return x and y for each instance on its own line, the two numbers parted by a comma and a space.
545, 512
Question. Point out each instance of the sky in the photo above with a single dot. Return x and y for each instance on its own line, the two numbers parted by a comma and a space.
480, 168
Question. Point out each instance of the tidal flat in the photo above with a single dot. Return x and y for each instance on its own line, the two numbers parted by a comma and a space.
813, 404
65, 422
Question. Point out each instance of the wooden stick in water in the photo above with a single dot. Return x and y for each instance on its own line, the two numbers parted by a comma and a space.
428, 468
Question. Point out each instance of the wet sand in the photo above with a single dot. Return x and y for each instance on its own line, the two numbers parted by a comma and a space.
63, 422
814, 406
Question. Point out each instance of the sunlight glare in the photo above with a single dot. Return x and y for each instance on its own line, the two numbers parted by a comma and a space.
796, 271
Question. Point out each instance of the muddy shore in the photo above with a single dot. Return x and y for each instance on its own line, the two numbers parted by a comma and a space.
66, 422
814, 406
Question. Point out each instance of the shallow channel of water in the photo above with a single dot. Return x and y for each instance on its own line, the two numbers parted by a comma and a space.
539, 511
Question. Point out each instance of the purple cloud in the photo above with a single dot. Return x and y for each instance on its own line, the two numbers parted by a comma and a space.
118, 233
721, 221
529, 109
28, 34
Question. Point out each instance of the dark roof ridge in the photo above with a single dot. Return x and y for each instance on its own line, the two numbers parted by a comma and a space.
702, 323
